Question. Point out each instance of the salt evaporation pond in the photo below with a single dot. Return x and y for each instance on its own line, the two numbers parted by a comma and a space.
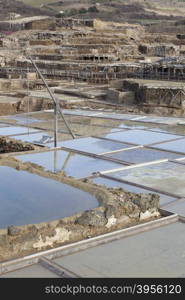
27, 198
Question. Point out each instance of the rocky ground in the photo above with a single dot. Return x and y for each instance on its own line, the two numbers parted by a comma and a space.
8, 145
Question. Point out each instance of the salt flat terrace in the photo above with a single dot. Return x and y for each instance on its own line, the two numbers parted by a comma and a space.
138, 153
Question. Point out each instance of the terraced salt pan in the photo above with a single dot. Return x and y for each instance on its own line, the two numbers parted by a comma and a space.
72, 164
140, 137
94, 145
142, 155
165, 176
13, 130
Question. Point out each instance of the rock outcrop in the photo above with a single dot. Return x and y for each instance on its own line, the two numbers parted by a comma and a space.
9, 145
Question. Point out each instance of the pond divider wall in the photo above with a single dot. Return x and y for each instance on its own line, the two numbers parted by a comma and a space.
118, 209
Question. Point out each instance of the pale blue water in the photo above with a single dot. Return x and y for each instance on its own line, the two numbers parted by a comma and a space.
73, 164
27, 198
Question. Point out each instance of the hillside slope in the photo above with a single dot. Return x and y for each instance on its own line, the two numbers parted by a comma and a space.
7, 6
115, 10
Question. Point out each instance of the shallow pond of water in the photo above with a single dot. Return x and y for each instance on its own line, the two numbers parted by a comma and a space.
27, 198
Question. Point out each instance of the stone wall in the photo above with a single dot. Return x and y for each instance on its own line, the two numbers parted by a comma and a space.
9, 108
35, 104
118, 209
117, 96
160, 94
16, 84
47, 24
159, 50
27, 23
162, 97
